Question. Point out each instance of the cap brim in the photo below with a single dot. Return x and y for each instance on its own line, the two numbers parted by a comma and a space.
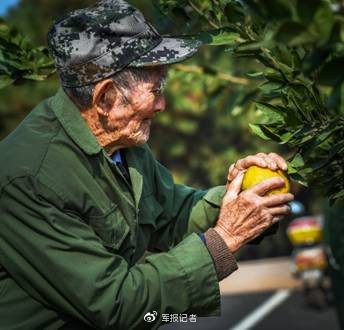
170, 50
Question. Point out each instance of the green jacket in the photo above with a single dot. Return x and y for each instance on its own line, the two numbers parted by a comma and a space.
72, 230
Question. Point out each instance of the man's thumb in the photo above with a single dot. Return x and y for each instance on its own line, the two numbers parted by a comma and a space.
234, 188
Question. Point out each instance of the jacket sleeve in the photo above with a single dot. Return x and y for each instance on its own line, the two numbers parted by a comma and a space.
185, 210
59, 261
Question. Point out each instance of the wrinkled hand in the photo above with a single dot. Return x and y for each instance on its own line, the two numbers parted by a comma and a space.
245, 215
272, 161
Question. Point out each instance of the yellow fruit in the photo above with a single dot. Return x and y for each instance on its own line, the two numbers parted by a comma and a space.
255, 174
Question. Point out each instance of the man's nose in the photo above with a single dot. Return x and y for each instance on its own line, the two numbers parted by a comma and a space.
160, 104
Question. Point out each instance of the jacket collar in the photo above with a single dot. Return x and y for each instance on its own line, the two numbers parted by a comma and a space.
75, 126
73, 123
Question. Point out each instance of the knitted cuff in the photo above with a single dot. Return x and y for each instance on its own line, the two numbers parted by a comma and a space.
224, 260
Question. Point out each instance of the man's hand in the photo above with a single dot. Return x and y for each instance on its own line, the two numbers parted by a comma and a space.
244, 216
272, 161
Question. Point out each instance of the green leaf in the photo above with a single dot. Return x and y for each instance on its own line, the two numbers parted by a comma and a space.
255, 74
265, 132
286, 137
256, 129
320, 138
297, 161
270, 86
253, 45
299, 178
271, 114
17, 64
219, 37
291, 169
274, 76
318, 17
317, 165
338, 196
285, 55
323, 23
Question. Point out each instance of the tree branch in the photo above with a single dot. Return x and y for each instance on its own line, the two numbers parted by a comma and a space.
219, 75
196, 9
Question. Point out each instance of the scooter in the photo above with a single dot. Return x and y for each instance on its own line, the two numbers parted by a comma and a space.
310, 260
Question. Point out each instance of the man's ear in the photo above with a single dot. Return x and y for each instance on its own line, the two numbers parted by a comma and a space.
104, 97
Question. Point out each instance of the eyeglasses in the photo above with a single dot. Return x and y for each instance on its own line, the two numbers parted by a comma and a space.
161, 86
156, 91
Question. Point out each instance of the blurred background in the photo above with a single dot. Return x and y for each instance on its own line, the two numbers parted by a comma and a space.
202, 132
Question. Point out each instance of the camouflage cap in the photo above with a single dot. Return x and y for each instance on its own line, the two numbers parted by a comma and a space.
93, 43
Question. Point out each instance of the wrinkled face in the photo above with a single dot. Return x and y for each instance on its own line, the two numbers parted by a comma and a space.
133, 111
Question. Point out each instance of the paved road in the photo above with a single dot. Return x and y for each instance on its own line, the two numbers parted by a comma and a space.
291, 314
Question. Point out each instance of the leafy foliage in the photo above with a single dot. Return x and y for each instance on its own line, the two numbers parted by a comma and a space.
301, 100
19, 59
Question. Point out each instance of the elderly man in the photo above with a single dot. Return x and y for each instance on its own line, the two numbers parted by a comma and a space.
82, 197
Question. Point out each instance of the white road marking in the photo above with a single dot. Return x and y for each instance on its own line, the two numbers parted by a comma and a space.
259, 313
